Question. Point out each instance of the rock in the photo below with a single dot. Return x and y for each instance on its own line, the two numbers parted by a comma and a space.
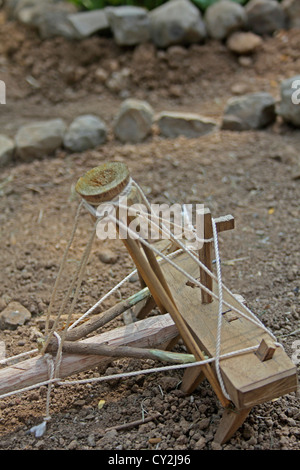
168, 383
14, 315
289, 107
87, 23
73, 445
50, 17
7, 147
292, 11
107, 256
38, 139
239, 88
84, 133
130, 25
174, 124
176, 22
204, 423
200, 444
245, 61
55, 22
118, 80
244, 42
224, 17
134, 121
251, 111
216, 446
265, 16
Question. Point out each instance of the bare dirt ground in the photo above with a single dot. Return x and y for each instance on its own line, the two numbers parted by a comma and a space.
251, 175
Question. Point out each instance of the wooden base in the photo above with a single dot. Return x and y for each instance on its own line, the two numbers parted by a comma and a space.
247, 379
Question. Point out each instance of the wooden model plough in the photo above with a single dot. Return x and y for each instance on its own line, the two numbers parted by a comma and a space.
226, 342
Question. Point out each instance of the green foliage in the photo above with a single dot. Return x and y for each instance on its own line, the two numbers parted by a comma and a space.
203, 4
96, 4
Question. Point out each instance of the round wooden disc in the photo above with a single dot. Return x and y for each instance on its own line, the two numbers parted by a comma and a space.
103, 182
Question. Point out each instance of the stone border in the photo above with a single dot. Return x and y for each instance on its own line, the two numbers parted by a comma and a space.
174, 22
135, 121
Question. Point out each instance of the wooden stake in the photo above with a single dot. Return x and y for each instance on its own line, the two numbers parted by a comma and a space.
205, 256
100, 320
133, 424
71, 347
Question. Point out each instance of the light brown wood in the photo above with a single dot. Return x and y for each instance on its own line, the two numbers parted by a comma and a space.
205, 256
78, 347
164, 300
266, 350
247, 380
192, 377
153, 331
99, 320
231, 420
224, 223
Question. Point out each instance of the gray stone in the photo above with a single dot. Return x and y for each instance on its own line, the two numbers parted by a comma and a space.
265, 16
134, 120
251, 111
87, 23
50, 17
14, 315
292, 11
55, 22
119, 80
130, 25
174, 124
242, 42
85, 132
177, 22
224, 17
289, 107
7, 147
38, 139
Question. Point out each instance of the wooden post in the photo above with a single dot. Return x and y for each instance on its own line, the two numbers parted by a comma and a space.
205, 256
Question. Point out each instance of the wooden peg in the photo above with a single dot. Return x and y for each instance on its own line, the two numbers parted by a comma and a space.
265, 350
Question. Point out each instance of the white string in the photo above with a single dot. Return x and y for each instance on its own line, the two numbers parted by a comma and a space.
100, 301
7, 360
130, 374
220, 290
